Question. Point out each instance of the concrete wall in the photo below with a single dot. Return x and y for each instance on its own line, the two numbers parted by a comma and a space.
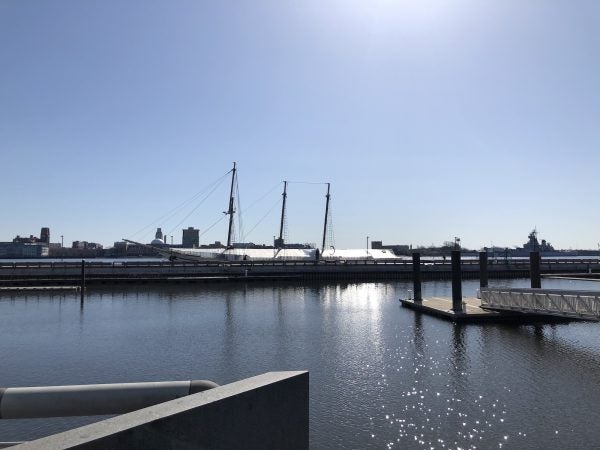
269, 411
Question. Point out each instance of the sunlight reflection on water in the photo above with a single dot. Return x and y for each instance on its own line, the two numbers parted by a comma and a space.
381, 376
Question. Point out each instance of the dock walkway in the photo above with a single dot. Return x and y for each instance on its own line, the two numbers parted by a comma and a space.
473, 312
69, 273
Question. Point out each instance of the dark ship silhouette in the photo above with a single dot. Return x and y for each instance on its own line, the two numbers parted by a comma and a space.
532, 245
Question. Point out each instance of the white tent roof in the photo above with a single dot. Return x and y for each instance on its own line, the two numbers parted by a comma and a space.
358, 253
288, 254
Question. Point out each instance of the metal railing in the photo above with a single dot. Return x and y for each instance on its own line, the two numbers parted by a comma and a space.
270, 262
556, 302
92, 399
268, 411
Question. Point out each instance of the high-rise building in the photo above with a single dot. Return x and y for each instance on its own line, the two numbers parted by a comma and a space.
191, 238
45, 235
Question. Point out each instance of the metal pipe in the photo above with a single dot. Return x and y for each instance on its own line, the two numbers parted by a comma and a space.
92, 399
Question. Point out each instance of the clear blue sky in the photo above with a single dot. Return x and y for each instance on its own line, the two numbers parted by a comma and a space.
431, 118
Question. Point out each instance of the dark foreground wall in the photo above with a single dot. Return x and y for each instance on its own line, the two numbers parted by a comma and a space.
269, 411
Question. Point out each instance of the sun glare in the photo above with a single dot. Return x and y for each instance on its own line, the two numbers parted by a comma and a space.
388, 13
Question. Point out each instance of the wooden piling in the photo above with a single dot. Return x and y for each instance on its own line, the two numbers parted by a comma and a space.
483, 269
456, 282
416, 266
534, 270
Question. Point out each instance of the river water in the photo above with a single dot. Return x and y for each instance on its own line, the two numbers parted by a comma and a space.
381, 376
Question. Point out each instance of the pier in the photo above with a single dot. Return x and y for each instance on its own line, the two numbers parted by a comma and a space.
502, 304
471, 310
583, 305
70, 273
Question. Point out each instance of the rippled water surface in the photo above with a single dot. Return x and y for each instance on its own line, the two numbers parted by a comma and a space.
380, 376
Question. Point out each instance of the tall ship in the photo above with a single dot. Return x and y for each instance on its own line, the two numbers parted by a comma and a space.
281, 250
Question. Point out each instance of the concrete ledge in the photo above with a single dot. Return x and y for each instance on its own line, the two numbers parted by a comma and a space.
269, 411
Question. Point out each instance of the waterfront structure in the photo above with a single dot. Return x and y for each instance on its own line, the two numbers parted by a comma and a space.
190, 238
23, 250
43, 239
398, 249
126, 249
569, 303
108, 272
27, 247
158, 238
86, 245
45, 235
81, 251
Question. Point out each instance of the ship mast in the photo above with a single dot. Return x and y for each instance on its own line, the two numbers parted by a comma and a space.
230, 211
280, 241
326, 214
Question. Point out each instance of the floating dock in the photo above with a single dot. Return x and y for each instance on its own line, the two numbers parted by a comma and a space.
473, 312
514, 305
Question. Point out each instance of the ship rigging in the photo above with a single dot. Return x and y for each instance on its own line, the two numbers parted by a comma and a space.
231, 252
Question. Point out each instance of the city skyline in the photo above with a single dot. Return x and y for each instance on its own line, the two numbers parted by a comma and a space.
430, 120
190, 239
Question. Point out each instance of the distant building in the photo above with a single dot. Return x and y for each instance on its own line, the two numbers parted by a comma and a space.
120, 248
158, 238
86, 245
27, 247
45, 235
191, 238
43, 239
217, 244
123, 249
26, 240
376, 245
398, 249
279, 243
23, 250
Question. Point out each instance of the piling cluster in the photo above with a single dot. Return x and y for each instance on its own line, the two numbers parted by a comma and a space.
457, 301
